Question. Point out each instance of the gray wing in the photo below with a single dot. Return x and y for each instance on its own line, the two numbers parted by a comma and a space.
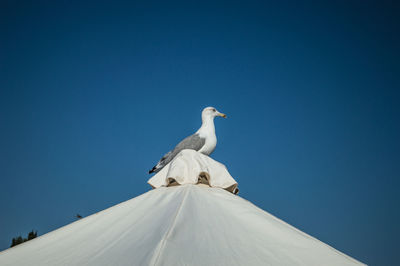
193, 142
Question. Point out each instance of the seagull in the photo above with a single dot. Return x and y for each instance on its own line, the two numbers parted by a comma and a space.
204, 140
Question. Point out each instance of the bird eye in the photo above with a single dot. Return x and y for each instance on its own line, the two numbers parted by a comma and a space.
214, 110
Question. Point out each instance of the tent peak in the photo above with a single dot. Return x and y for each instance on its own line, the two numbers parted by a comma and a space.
192, 167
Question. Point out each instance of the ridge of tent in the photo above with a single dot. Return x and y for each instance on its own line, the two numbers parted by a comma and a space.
180, 225
161, 245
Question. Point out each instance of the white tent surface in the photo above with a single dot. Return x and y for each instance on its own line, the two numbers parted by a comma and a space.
187, 224
188, 167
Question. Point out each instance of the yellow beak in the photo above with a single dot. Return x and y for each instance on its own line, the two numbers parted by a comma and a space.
223, 115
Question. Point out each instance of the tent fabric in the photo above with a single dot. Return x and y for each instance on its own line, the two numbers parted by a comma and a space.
181, 222
192, 167
178, 225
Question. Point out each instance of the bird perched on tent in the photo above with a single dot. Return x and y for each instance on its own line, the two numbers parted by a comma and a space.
204, 140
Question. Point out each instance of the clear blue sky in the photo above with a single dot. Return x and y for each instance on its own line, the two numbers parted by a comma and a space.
92, 94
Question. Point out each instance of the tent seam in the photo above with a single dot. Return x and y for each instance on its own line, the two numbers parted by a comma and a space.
166, 235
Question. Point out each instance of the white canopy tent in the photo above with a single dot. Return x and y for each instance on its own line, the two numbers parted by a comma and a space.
181, 222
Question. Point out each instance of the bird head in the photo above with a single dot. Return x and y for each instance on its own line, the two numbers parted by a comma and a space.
211, 112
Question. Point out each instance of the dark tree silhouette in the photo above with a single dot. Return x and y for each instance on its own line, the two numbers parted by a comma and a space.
19, 240
32, 235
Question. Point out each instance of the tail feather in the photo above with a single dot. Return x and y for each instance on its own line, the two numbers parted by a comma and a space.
152, 170
163, 162
156, 168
